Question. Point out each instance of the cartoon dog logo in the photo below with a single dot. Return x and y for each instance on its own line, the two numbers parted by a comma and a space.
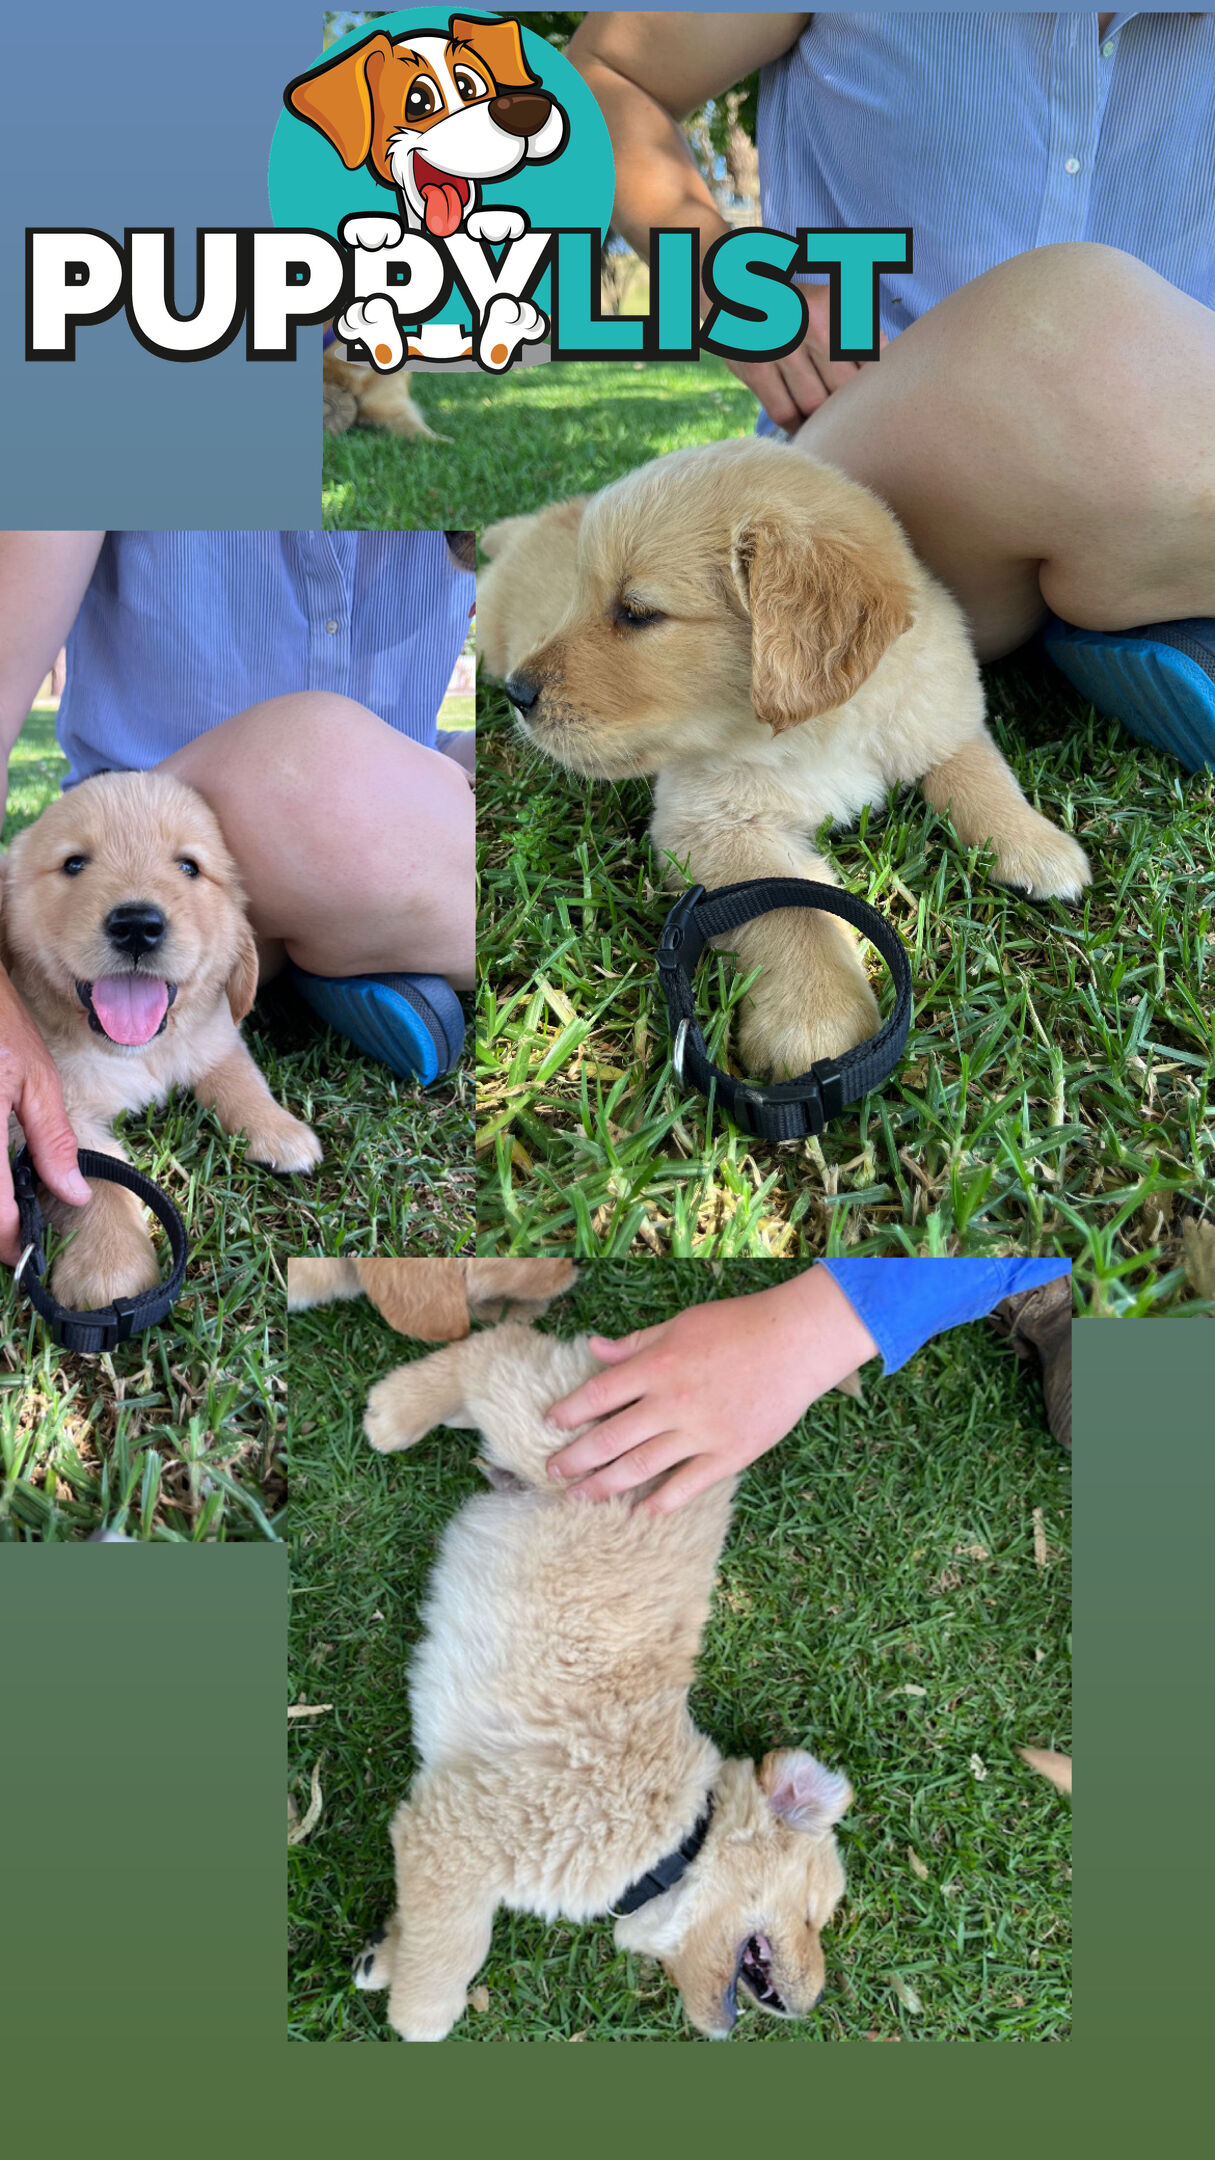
432, 116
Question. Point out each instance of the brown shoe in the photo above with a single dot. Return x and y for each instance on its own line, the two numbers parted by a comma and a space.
1041, 1321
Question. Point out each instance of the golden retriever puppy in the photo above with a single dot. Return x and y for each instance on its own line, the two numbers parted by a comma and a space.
752, 627
122, 925
550, 1712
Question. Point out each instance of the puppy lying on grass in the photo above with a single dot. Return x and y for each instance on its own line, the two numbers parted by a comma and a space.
752, 628
559, 1763
122, 925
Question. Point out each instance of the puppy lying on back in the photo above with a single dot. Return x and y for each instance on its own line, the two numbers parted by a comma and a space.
122, 925
753, 628
559, 1763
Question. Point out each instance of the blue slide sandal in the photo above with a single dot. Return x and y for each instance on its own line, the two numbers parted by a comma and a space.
414, 1024
1159, 680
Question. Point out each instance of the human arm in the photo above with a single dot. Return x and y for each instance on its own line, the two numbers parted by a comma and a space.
460, 745
43, 579
648, 72
29, 1087
702, 1395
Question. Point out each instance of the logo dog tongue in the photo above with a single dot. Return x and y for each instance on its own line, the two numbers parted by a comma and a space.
444, 196
130, 1007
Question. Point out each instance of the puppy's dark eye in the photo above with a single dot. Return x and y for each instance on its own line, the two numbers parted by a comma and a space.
468, 84
188, 864
74, 865
630, 615
422, 100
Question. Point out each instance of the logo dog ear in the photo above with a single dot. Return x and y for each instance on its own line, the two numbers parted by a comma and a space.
338, 99
241, 986
823, 611
500, 45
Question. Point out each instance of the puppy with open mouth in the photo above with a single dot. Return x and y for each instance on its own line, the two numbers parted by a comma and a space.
122, 925
561, 1773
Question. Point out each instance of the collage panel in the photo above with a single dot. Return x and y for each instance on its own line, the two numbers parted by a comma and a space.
604, 1236
236, 923
640, 1748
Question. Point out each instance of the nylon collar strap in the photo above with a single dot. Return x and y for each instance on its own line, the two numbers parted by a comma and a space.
93, 1331
790, 1109
665, 1873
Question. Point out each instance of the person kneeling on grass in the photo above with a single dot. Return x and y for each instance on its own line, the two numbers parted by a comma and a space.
697, 1398
1042, 419
294, 679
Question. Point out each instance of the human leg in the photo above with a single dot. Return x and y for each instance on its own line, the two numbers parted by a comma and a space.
1046, 436
355, 844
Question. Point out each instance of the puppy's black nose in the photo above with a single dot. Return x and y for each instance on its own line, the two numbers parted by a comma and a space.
522, 691
521, 112
135, 927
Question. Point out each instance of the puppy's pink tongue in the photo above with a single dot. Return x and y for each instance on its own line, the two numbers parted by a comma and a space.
443, 206
130, 1007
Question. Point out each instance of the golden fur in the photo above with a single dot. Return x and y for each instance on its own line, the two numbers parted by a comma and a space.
752, 628
433, 1300
549, 1699
356, 396
134, 832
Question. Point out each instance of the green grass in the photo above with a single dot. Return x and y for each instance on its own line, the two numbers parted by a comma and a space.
178, 1435
524, 439
1055, 1095
878, 1601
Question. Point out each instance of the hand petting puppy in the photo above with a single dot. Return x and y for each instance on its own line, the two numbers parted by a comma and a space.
699, 1397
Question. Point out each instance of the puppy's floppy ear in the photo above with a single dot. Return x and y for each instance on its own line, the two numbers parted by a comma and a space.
500, 46
339, 99
241, 986
802, 1792
823, 611
424, 1298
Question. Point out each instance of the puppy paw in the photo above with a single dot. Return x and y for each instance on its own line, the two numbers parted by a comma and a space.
368, 230
386, 1422
373, 1965
1043, 862
284, 1144
508, 324
496, 225
86, 1280
781, 1040
374, 324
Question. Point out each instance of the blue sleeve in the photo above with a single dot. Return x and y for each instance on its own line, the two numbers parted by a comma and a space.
904, 1302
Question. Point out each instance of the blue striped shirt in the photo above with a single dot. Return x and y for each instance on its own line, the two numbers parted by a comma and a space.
179, 631
905, 1302
993, 134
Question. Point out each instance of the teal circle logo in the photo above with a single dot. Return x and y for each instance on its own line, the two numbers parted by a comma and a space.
430, 127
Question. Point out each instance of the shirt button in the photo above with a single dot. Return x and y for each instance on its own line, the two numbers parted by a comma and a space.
1072, 165
332, 626
1107, 50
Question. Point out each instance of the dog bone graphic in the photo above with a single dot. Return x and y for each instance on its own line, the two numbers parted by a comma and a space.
496, 225
374, 322
508, 323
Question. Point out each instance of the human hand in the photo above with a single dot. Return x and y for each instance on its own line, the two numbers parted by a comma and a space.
699, 1397
792, 388
29, 1087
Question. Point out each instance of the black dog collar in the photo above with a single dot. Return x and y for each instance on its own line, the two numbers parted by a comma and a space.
94, 1331
792, 1108
665, 1873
